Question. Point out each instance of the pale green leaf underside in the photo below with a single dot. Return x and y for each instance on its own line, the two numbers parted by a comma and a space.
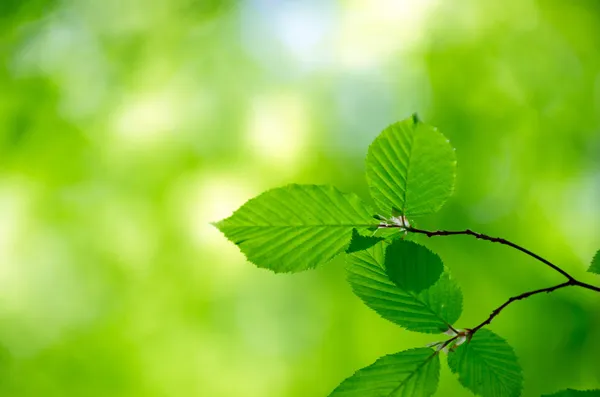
595, 266
412, 266
296, 227
411, 166
429, 311
487, 366
411, 373
575, 393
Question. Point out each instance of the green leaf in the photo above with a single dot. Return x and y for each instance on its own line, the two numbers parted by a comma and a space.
575, 393
412, 266
411, 373
487, 365
360, 242
296, 227
430, 311
396, 233
595, 266
411, 167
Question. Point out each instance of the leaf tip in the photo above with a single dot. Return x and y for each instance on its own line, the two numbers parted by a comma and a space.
220, 225
359, 242
595, 265
415, 118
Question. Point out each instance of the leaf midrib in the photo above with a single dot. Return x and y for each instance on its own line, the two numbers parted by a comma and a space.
410, 153
403, 382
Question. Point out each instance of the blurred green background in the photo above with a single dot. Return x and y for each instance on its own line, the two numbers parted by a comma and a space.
126, 126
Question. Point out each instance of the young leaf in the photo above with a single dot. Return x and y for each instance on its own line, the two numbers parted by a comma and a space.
575, 393
411, 167
360, 242
296, 227
412, 266
430, 311
595, 266
411, 373
487, 365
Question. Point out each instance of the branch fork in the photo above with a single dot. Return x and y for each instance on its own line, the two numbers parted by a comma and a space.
459, 337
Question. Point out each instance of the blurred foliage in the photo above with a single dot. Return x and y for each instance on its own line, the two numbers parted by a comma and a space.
127, 126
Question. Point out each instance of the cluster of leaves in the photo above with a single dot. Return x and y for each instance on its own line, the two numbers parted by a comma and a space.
411, 172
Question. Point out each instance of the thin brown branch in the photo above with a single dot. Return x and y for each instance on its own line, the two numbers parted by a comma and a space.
493, 240
571, 280
519, 297
586, 286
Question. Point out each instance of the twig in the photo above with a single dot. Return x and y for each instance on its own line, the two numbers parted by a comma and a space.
519, 297
493, 240
571, 280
